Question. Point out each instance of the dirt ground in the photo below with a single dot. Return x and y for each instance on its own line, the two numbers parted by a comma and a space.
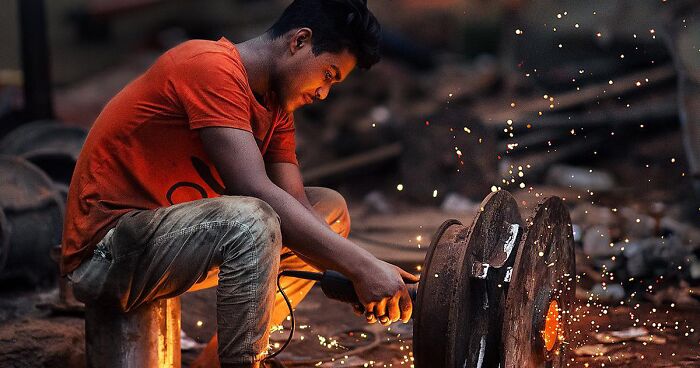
673, 339
328, 334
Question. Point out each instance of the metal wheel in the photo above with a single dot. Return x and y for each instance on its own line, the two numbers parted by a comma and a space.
539, 302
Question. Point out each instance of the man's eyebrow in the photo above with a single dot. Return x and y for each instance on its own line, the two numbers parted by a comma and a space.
338, 75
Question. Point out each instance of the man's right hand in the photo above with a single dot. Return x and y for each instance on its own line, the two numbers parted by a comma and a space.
381, 288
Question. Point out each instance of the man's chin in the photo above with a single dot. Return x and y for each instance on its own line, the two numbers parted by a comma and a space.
290, 107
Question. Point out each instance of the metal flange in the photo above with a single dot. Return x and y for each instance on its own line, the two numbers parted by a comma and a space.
477, 313
539, 302
435, 293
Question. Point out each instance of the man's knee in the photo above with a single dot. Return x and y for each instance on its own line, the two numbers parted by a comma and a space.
257, 218
332, 206
340, 221
248, 209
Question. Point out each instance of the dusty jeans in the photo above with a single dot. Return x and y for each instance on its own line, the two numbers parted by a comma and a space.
231, 242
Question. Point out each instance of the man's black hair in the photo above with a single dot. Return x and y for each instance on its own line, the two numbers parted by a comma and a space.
336, 25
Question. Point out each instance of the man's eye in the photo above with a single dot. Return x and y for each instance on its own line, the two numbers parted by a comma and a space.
328, 76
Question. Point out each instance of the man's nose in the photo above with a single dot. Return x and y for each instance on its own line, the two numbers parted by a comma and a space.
322, 93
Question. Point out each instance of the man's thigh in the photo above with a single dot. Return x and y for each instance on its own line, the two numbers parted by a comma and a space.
332, 207
163, 252
326, 202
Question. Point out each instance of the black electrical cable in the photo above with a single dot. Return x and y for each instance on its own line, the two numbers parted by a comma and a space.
291, 314
298, 274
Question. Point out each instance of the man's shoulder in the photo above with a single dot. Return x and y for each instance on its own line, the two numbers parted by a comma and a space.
221, 51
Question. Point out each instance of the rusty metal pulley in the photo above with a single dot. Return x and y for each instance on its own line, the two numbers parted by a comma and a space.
36, 165
32, 210
52, 146
44, 136
539, 303
498, 292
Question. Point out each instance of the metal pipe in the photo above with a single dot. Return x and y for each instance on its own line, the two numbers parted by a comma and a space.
148, 336
35, 60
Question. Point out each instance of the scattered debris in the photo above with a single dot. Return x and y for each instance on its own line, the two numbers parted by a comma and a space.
609, 293
654, 257
377, 202
457, 203
597, 242
593, 350
188, 343
580, 178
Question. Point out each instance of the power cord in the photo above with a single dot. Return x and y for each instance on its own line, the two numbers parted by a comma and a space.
298, 274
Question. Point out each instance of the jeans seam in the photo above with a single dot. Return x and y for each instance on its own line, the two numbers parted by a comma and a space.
250, 315
204, 225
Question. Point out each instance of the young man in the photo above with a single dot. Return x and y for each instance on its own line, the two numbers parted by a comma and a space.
189, 179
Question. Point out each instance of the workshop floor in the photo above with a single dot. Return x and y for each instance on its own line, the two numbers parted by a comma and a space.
329, 335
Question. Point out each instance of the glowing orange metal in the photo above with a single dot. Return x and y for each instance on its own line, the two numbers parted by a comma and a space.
551, 326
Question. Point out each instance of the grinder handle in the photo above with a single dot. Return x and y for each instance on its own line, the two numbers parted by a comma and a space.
338, 287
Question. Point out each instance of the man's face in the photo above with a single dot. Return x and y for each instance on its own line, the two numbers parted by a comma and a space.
304, 77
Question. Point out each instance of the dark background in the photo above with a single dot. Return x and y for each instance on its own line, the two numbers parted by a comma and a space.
597, 102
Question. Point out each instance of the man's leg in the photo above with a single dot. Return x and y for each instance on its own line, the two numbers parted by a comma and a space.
332, 207
163, 252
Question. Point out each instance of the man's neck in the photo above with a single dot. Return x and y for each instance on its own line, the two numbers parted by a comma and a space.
257, 55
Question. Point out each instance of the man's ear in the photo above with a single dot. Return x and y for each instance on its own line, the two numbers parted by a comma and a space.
300, 39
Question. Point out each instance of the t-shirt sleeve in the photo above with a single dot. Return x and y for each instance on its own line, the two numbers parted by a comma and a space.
212, 92
282, 147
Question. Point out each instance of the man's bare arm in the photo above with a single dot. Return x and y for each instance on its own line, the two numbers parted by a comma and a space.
288, 177
239, 162
379, 285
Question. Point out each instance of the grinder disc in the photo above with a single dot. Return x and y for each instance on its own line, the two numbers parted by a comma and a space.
459, 300
539, 302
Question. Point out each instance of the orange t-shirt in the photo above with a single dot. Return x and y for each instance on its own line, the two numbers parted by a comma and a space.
144, 150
